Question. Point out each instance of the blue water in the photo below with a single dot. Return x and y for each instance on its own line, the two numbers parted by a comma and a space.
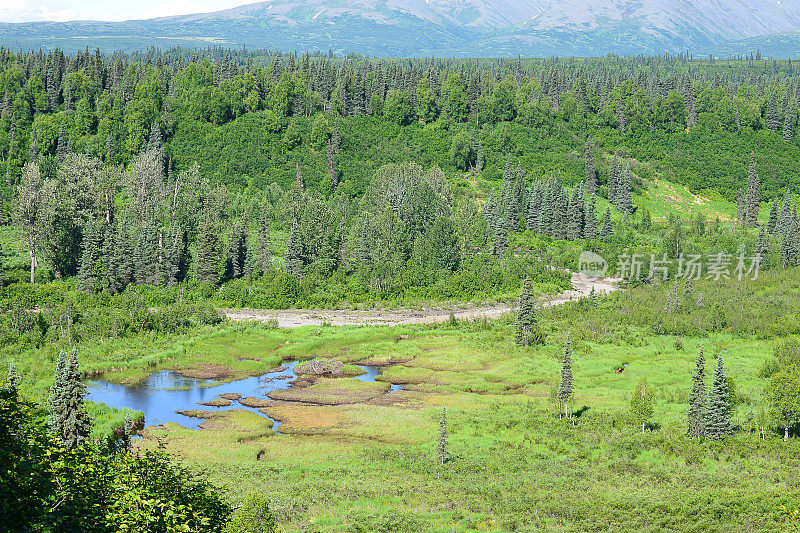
163, 394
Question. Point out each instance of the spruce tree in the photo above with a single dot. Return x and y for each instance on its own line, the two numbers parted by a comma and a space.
575, 214
565, 386
785, 218
264, 250
441, 448
607, 229
718, 409
623, 201
762, 247
91, 267
533, 214
526, 315
773, 117
614, 177
753, 197
500, 241
772, 222
294, 250
696, 426
591, 170
237, 249
590, 219
788, 123
68, 418
207, 251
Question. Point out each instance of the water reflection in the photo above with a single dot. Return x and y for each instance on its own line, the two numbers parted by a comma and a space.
163, 394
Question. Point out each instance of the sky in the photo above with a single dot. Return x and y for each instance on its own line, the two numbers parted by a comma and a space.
61, 10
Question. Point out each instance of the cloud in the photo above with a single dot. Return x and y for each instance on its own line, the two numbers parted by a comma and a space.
62, 10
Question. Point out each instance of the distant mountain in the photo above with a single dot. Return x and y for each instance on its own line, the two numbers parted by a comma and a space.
450, 28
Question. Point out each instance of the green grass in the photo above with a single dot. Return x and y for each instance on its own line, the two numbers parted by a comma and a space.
353, 457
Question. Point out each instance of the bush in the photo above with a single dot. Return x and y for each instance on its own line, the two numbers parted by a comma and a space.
254, 516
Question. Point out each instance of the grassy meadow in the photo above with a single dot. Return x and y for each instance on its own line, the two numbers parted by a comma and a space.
353, 457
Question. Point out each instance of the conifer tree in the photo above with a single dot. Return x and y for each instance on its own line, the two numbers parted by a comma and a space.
565, 386
762, 248
753, 197
623, 201
590, 220
642, 402
526, 315
294, 250
772, 222
591, 170
174, 255
696, 425
718, 409
773, 117
237, 250
788, 123
607, 228
207, 268
533, 214
614, 178
575, 214
264, 259
91, 268
68, 418
500, 241
785, 218
441, 448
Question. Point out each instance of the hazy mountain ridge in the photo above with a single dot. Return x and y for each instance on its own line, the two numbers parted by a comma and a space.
450, 27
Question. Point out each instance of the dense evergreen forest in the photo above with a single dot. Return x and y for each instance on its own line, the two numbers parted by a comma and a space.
360, 176
144, 192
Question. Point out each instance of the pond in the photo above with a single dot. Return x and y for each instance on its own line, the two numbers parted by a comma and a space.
161, 396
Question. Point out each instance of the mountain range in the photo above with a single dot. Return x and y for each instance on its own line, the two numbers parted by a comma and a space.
485, 28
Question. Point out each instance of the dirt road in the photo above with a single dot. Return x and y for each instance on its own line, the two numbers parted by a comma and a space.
293, 318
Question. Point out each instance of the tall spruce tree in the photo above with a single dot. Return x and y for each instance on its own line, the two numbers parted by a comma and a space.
607, 228
207, 264
294, 250
575, 214
591, 169
565, 387
68, 418
752, 197
264, 249
91, 269
526, 315
772, 222
718, 409
590, 220
696, 425
237, 251
785, 218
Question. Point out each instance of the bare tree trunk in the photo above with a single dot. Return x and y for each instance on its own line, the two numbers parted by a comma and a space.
643, 428
785, 433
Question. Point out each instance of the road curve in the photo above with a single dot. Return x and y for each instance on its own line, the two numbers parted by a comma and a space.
293, 318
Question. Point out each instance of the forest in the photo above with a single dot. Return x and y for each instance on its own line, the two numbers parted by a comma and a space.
146, 195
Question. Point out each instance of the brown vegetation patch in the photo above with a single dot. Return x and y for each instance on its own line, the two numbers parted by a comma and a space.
206, 372
231, 396
300, 418
320, 367
217, 402
256, 402
327, 391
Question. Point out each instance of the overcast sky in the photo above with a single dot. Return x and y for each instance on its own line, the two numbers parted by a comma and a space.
61, 10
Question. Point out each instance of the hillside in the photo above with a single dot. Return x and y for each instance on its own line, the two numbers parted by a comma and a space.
448, 28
